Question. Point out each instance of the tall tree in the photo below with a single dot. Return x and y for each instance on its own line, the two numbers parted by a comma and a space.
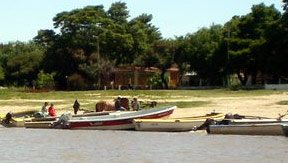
247, 39
21, 62
204, 56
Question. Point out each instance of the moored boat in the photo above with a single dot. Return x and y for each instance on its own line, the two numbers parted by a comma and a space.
118, 121
256, 121
174, 124
17, 119
285, 129
247, 129
39, 124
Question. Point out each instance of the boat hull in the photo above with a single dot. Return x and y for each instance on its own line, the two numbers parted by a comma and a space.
40, 124
173, 125
116, 122
247, 129
256, 121
285, 129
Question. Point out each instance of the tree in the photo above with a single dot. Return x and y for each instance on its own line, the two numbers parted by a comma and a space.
92, 31
144, 35
21, 62
206, 56
164, 51
118, 12
247, 55
285, 6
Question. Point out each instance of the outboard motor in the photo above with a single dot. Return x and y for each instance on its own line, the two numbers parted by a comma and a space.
63, 120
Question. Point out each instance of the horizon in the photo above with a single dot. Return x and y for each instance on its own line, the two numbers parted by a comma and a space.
24, 24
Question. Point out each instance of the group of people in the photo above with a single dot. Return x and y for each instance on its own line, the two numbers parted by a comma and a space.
134, 104
50, 111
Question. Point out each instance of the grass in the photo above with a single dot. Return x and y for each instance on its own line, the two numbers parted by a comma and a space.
187, 104
20, 97
151, 94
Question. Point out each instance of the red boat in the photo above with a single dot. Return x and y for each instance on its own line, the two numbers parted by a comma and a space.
121, 121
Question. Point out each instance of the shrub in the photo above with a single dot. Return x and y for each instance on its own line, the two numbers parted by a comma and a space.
44, 80
76, 82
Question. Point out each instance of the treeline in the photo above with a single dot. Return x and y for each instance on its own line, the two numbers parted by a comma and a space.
87, 44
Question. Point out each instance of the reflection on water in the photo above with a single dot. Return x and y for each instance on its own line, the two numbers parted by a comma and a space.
36, 145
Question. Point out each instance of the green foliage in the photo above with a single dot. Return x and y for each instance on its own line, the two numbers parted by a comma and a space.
76, 82
207, 54
20, 62
2, 77
156, 81
93, 30
45, 80
248, 45
246, 40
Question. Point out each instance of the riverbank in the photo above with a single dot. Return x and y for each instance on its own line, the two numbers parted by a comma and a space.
190, 103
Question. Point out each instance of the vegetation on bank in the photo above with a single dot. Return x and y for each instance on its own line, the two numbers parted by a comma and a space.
87, 44
181, 98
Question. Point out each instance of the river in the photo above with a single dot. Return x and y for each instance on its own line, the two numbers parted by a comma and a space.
81, 146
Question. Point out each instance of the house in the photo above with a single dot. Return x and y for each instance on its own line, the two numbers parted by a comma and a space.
137, 77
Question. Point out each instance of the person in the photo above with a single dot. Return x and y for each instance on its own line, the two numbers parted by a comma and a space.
135, 104
76, 106
44, 108
51, 110
118, 106
8, 117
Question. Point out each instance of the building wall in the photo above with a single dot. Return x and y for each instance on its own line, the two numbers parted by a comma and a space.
138, 77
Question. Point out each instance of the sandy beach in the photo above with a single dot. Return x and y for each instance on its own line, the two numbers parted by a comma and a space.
265, 106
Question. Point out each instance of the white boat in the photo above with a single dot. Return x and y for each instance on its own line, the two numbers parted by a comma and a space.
174, 124
256, 121
116, 121
247, 129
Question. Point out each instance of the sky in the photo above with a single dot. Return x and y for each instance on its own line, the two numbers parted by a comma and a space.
21, 19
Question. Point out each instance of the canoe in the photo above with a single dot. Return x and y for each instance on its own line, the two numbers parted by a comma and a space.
247, 129
174, 124
117, 121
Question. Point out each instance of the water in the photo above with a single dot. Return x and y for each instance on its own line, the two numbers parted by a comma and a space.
46, 146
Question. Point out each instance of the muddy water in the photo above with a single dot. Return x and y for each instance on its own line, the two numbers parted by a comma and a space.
45, 146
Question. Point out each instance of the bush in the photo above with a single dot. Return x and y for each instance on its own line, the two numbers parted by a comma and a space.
44, 80
76, 82
156, 82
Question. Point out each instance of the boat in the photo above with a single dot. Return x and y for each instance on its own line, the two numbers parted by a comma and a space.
118, 121
256, 121
285, 129
247, 129
174, 124
49, 122
17, 119
39, 124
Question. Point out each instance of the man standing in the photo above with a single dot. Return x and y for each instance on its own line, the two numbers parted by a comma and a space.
76, 107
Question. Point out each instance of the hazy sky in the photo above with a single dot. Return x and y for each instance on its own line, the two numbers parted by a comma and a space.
21, 19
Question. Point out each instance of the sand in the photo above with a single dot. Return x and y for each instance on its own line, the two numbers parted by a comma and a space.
265, 106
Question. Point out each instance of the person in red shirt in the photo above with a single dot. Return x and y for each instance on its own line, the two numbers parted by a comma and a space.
51, 110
